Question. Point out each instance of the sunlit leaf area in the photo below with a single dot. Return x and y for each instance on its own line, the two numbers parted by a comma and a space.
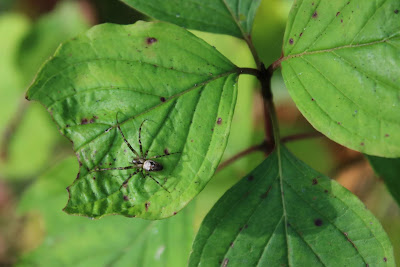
93, 91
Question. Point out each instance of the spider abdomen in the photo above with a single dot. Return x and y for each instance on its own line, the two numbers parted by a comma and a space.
151, 165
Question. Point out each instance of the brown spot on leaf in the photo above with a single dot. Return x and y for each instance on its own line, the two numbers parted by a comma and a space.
175, 212
166, 152
147, 205
250, 178
318, 222
387, 135
341, 21
362, 144
266, 193
396, 11
385, 259
162, 99
225, 263
291, 41
84, 121
337, 14
315, 181
219, 121
126, 198
151, 40
91, 120
315, 15
94, 178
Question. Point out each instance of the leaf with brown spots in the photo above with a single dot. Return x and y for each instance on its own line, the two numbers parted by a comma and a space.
153, 73
347, 61
296, 223
112, 241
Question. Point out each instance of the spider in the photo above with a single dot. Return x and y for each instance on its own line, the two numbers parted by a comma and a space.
141, 162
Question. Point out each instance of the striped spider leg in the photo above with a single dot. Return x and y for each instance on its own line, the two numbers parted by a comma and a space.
141, 162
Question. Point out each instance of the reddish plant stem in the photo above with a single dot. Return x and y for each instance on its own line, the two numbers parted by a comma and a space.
267, 147
302, 136
261, 147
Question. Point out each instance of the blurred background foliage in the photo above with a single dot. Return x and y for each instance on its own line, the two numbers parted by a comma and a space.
37, 164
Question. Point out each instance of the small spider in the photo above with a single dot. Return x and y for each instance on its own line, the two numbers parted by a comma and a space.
142, 163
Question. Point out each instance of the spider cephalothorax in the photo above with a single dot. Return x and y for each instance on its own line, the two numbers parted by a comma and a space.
148, 165
141, 162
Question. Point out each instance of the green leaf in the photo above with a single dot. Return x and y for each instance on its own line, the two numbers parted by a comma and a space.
158, 74
113, 241
286, 214
233, 17
65, 22
341, 65
389, 171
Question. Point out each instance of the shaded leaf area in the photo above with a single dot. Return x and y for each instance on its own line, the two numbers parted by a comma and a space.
286, 214
233, 17
342, 68
24, 48
113, 241
179, 88
389, 171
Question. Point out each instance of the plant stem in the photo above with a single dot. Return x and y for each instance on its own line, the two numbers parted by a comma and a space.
253, 52
301, 136
261, 147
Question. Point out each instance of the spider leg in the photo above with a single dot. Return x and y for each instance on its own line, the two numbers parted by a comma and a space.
117, 168
127, 179
123, 136
148, 174
160, 156
140, 138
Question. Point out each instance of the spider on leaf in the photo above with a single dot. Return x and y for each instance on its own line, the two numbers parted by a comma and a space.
141, 162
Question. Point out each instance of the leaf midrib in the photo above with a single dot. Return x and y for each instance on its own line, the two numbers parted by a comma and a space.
163, 103
306, 53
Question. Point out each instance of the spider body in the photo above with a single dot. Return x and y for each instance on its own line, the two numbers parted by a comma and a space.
148, 165
141, 162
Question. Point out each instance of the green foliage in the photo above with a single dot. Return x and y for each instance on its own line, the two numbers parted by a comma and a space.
187, 98
161, 85
65, 22
23, 49
233, 17
72, 241
389, 171
286, 214
341, 67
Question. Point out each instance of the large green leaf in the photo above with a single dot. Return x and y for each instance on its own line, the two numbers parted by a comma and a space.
341, 65
233, 17
389, 171
158, 74
113, 241
286, 214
